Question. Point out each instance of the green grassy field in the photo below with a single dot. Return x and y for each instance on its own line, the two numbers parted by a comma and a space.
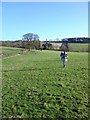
35, 85
10, 51
83, 47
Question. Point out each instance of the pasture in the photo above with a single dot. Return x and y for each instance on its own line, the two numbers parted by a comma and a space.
10, 51
78, 47
35, 85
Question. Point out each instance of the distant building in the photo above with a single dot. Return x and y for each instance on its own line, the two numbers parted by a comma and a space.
50, 44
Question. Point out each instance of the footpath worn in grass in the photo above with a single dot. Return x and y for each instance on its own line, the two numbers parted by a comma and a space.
35, 85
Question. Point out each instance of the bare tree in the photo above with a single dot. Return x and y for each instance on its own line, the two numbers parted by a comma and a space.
30, 40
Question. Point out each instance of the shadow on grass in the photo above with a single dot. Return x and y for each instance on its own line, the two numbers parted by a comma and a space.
31, 69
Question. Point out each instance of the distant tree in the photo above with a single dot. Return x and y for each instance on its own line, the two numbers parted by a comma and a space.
64, 46
30, 41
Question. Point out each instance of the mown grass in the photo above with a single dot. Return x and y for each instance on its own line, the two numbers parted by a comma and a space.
35, 85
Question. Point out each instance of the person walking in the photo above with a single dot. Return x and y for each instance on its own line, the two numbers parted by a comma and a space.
64, 57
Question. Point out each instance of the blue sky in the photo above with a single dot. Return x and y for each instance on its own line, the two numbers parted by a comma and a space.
50, 20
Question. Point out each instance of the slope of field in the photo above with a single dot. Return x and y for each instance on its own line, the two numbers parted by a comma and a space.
10, 51
35, 85
78, 47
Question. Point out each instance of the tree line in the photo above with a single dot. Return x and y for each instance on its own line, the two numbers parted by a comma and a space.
31, 41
